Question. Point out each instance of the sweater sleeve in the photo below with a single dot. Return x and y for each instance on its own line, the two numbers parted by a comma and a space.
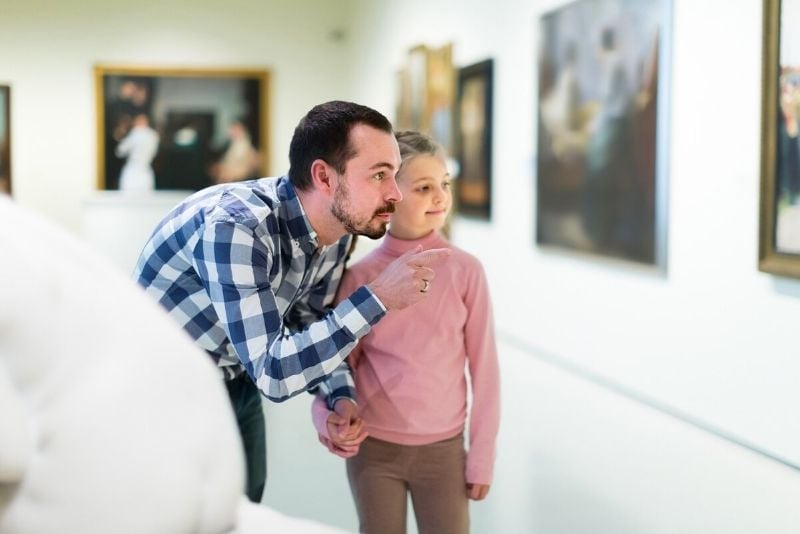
484, 373
319, 416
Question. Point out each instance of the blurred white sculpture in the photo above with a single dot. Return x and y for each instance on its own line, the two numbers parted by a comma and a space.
110, 418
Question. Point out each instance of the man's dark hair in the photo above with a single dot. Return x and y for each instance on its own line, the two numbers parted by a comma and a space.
324, 133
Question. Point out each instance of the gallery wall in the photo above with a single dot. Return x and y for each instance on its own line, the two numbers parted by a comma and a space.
48, 49
711, 339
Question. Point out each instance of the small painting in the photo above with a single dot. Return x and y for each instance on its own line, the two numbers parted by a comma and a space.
474, 140
5, 139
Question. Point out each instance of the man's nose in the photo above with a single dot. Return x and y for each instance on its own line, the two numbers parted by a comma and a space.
392, 193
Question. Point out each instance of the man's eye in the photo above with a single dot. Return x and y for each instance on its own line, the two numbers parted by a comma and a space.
380, 176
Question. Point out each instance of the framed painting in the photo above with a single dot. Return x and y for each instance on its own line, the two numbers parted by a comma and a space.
426, 88
473, 140
5, 139
602, 129
403, 112
180, 129
780, 153
441, 92
417, 74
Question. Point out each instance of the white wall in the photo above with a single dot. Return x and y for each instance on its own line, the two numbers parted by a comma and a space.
713, 338
48, 49
579, 458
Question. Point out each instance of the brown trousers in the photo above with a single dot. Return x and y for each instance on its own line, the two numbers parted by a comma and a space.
382, 474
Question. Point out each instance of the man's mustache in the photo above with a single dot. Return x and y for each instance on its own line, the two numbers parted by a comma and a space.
388, 208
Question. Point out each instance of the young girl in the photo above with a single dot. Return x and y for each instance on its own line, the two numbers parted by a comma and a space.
409, 373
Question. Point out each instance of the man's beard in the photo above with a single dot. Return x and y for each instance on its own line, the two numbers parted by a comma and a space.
341, 205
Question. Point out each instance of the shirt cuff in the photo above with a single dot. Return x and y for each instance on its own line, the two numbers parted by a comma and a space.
360, 311
345, 392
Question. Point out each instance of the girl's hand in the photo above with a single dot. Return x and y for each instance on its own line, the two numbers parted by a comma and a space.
345, 428
338, 451
477, 492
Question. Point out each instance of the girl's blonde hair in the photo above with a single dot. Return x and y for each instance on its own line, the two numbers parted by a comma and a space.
414, 144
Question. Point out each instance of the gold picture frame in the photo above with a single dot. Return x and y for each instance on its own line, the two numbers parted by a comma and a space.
194, 126
779, 243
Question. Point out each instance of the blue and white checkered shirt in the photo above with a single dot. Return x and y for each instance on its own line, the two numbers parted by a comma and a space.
240, 268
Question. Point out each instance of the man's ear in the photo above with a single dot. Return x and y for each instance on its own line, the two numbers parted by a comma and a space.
323, 176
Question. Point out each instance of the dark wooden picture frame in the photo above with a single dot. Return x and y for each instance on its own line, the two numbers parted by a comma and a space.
473, 139
5, 139
180, 128
779, 244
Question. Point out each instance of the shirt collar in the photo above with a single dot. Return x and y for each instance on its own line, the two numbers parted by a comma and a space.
300, 229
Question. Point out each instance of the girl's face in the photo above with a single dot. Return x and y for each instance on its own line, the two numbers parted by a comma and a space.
425, 184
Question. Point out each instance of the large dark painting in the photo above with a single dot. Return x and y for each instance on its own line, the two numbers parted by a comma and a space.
601, 113
181, 129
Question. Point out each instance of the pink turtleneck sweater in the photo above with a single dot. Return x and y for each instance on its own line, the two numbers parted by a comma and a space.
409, 370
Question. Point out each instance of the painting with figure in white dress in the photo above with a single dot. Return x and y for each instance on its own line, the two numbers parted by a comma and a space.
601, 125
780, 156
180, 129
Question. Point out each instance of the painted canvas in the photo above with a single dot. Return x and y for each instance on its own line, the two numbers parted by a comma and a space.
473, 140
426, 87
601, 123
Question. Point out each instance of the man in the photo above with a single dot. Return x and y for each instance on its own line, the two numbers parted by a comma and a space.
249, 269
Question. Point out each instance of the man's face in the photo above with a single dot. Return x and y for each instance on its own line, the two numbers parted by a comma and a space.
365, 194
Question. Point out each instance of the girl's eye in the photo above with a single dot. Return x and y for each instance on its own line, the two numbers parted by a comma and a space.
424, 189
447, 185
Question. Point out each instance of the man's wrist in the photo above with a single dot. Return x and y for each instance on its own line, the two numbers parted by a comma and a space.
375, 289
341, 392
335, 400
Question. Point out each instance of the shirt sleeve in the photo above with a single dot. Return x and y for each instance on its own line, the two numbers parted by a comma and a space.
484, 373
340, 383
234, 268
